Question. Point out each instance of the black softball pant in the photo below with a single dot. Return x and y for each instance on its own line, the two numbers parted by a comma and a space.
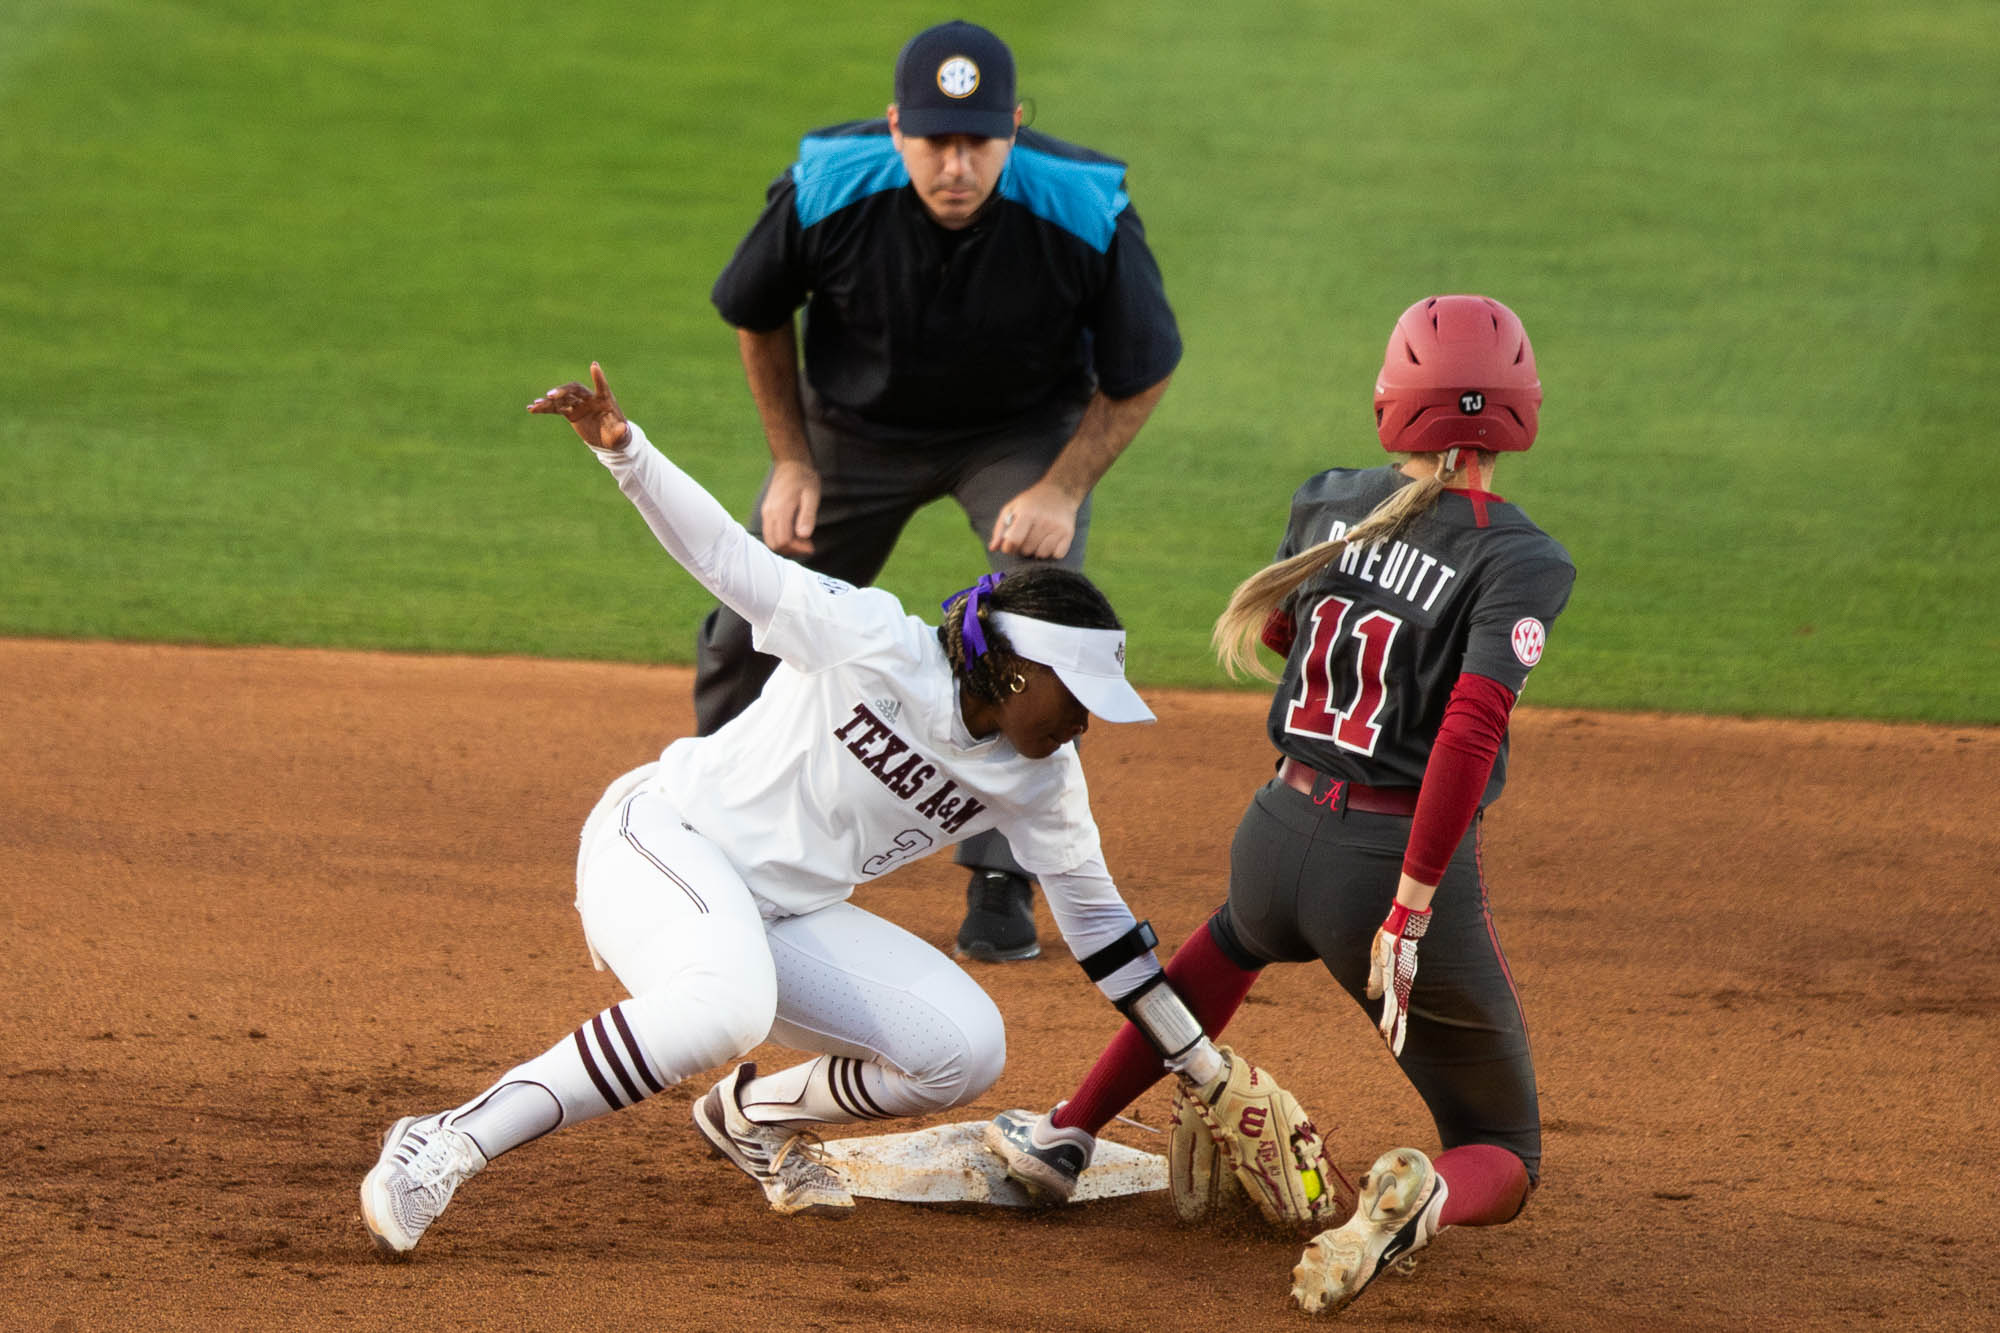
1307, 881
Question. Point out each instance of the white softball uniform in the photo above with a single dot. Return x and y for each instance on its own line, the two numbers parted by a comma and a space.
714, 882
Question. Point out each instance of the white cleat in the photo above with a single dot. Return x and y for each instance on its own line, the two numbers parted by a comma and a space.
1402, 1197
423, 1163
786, 1163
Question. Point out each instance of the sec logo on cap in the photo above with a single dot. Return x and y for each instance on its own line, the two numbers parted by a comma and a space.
958, 77
1529, 636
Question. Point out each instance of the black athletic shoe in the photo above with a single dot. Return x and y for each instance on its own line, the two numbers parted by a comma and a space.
999, 918
1046, 1159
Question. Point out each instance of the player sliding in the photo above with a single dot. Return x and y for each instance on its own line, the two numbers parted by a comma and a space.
714, 881
1409, 603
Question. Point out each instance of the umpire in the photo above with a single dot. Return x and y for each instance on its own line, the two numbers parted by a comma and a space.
983, 320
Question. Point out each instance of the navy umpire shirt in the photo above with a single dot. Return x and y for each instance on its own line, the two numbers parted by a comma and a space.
916, 333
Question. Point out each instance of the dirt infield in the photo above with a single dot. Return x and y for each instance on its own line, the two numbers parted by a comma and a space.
259, 903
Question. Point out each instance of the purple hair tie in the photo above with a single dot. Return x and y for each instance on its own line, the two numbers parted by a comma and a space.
975, 639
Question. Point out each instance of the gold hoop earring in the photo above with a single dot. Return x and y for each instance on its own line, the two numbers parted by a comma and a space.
1017, 684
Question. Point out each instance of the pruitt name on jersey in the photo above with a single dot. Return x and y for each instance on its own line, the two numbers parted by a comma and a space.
1400, 568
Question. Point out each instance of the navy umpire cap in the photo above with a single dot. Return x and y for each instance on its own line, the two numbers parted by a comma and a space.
956, 78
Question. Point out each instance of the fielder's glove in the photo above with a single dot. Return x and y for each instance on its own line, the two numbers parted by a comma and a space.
1261, 1132
1198, 1175
1392, 968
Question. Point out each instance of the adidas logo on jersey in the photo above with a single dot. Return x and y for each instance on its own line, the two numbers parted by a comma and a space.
888, 708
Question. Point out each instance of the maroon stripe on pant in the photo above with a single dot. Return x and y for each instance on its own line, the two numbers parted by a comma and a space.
1492, 931
625, 832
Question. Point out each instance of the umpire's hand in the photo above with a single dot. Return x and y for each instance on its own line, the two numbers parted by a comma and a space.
1037, 524
593, 413
791, 508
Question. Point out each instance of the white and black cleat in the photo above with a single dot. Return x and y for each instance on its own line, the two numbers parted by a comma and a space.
788, 1165
1402, 1197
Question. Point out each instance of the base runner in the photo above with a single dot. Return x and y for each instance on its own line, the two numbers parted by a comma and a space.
1409, 602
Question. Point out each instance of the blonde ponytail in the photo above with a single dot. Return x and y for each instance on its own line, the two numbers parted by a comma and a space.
1240, 627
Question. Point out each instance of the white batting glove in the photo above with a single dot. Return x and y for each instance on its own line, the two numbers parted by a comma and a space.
1392, 967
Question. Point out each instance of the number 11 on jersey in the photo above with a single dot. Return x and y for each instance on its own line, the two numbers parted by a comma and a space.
1313, 713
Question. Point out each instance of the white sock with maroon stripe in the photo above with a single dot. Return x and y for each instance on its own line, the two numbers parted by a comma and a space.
830, 1090
598, 1069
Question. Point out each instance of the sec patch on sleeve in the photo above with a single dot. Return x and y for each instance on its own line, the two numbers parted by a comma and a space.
1528, 637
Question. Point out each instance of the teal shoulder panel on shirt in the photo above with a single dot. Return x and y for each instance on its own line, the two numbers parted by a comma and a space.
1083, 196
838, 169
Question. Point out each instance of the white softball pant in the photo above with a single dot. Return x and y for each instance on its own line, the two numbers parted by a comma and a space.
663, 908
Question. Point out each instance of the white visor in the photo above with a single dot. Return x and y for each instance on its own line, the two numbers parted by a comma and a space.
1090, 662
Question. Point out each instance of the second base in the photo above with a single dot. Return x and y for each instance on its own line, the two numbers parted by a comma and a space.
951, 1164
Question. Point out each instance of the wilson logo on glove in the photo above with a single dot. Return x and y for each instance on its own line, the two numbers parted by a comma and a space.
1259, 1132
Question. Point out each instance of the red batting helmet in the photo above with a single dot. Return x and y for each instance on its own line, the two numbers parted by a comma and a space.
1458, 373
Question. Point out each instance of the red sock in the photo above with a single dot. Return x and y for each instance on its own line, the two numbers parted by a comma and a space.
1213, 988
1488, 1185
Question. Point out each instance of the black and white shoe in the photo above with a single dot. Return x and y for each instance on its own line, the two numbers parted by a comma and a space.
1402, 1197
1044, 1157
999, 925
423, 1163
787, 1164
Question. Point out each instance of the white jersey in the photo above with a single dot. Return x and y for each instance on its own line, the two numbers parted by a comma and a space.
855, 759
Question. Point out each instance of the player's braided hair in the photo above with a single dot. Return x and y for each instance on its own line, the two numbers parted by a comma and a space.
1240, 627
1044, 592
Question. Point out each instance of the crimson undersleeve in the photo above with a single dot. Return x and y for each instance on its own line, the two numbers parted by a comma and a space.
1468, 741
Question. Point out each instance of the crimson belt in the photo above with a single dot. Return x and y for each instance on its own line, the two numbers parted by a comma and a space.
1341, 794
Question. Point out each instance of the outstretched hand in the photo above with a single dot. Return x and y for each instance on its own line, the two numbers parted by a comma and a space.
593, 413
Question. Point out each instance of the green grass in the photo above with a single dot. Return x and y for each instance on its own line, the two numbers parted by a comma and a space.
276, 290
